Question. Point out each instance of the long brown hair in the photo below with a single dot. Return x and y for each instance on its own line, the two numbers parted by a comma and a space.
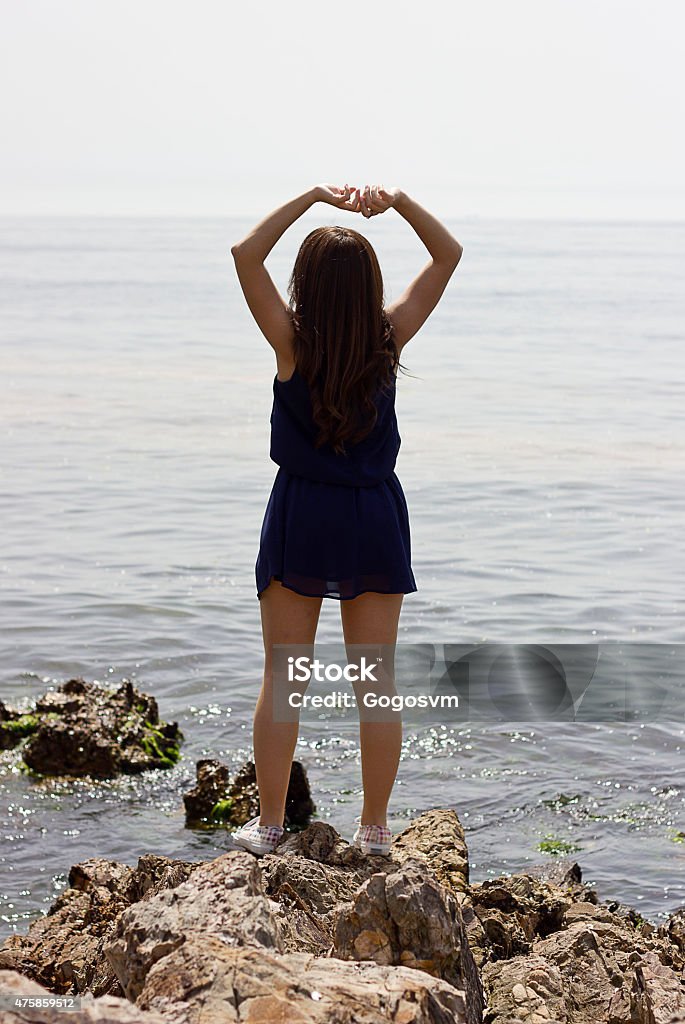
344, 344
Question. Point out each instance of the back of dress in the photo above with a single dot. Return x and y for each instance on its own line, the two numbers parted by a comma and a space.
336, 525
293, 433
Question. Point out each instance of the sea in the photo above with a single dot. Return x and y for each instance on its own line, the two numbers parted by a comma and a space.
541, 413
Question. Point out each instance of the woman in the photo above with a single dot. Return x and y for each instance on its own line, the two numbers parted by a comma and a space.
336, 524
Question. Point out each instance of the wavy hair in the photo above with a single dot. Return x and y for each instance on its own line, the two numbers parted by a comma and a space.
344, 343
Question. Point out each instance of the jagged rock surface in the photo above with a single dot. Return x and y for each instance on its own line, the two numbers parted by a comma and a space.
216, 799
317, 932
64, 949
211, 983
83, 728
594, 968
222, 898
105, 1010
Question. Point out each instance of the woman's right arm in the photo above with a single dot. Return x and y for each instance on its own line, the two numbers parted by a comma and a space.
411, 310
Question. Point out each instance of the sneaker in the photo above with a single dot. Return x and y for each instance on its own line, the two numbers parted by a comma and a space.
373, 839
257, 838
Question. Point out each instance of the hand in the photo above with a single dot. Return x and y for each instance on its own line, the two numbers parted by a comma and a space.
376, 199
336, 196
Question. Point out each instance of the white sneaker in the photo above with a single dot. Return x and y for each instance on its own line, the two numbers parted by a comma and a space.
375, 840
257, 838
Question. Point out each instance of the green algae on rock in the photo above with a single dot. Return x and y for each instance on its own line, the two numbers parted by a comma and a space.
216, 800
82, 728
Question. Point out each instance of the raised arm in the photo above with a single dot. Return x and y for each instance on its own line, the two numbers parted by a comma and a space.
411, 310
266, 304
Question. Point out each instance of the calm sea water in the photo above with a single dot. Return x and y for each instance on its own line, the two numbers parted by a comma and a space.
542, 460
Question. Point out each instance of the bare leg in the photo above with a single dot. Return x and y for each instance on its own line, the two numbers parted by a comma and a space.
372, 619
287, 618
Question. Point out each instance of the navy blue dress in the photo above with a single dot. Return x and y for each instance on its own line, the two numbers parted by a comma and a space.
335, 525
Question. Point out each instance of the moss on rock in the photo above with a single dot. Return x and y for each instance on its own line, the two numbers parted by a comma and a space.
222, 810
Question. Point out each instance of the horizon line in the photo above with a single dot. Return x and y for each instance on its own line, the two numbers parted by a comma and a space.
176, 215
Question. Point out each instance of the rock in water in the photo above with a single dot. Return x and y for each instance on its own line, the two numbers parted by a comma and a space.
210, 789
85, 729
217, 800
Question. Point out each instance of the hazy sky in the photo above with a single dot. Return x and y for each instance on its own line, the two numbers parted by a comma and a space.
488, 108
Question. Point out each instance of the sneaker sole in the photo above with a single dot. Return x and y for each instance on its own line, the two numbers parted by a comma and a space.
374, 851
245, 844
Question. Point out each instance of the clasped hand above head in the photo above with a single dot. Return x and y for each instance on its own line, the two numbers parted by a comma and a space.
369, 201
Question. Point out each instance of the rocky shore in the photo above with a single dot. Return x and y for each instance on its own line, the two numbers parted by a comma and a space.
318, 933
315, 932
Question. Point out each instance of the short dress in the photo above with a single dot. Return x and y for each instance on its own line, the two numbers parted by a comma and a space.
335, 525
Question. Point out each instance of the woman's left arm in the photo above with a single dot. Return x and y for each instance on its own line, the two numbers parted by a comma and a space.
267, 306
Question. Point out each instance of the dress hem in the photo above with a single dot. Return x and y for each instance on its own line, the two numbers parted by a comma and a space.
333, 597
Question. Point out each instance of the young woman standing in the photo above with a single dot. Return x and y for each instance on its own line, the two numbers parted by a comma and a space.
336, 524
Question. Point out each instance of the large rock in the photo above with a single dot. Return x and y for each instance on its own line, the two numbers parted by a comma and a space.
216, 799
162, 942
596, 968
505, 915
310, 876
222, 898
208, 982
64, 949
438, 838
105, 1010
405, 917
321, 867
83, 728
